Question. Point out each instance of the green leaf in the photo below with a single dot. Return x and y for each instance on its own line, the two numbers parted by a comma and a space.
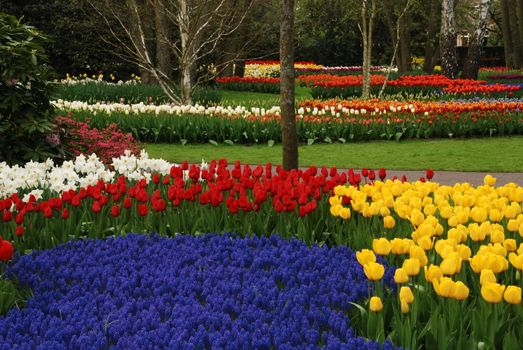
270, 143
310, 141
398, 136
229, 142
183, 141
342, 140
212, 142
328, 140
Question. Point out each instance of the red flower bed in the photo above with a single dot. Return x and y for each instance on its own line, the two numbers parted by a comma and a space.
250, 80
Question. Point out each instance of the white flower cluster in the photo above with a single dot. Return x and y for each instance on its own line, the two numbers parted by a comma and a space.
84, 81
34, 178
339, 110
141, 108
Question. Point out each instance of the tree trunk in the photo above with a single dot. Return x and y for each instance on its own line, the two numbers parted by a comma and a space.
367, 21
520, 22
471, 66
404, 49
186, 54
432, 30
449, 58
288, 112
163, 53
507, 36
514, 29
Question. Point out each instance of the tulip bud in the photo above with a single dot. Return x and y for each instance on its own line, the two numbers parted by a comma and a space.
389, 222
412, 266
381, 246
400, 276
492, 292
365, 256
512, 295
375, 304
373, 271
406, 294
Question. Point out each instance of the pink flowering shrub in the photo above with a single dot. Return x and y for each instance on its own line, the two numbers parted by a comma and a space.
110, 142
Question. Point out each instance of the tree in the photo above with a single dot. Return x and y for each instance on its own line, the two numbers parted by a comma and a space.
431, 46
26, 115
190, 30
398, 25
367, 21
471, 66
288, 111
449, 58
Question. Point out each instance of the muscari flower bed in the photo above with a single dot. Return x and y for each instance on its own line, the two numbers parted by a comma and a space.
188, 292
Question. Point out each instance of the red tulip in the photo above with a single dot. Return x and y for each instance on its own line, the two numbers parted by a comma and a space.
115, 211
372, 175
48, 212
7, 216
6, 250
96, 207
143, 209
429, 174
382, 173
65, 213
127, 203
19, 231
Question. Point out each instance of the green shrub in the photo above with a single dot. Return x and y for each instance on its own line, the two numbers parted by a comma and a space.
25, 112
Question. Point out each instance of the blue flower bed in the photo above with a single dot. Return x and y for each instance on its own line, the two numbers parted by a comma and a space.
207, 292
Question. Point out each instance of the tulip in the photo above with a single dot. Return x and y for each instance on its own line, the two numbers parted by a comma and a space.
418, 253
405, 308
512, 295
461, 291
478, 214
444, 287
412, 266
381, 246
375, 304
406, 295
451, 264
510, 244
487, 276
433, 272
365, 256
65, 213
516, 260
19, 231
489, 180
492, 292
400, 276
388, 221
6, 250
373, 271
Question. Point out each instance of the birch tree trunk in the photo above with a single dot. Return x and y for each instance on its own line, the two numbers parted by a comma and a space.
471, 66
288, 113
185, 53
449, 58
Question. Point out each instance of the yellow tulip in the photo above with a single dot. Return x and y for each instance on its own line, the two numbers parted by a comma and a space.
400, 246
446, 212
400, 276
373, 271
444, 287
345, 213
478, 214
381, 246
489, 180
418, 253
492, 292
512, 295
412, 266
510, 244
453, 221
339, 191
451, 264
461, 291
406, 295
516, 260
375, 304
389, 222
487, 276
385, 211
495, 215
513, 225
520, 231
425, 243
416, 217
365, 256
433, 272
510, 212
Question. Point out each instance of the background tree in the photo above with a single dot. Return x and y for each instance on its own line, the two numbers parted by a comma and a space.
368, 11
287, 102
198, 28
449, 58
432, 11
471, 65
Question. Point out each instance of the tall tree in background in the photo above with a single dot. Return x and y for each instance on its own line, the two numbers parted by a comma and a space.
433, 11
449, 58
471, 66
367, 23
288, 112
398, 20
185, 32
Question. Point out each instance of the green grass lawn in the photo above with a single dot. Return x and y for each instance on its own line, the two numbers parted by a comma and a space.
494, 155
258, 99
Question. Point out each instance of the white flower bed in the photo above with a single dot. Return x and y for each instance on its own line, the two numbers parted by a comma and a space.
34, 178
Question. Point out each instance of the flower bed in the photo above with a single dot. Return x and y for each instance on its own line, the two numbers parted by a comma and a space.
334, 86
258, 84
183, 198
460, 253
189, 292
318, 121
